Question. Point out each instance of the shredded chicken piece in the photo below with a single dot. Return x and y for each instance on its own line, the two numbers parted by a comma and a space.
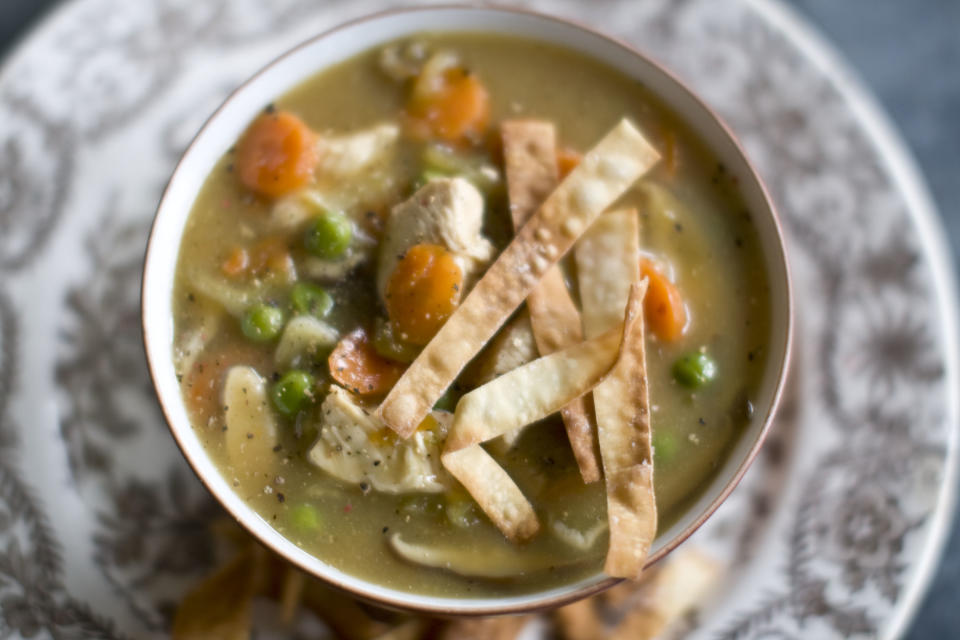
446, 212
356, 447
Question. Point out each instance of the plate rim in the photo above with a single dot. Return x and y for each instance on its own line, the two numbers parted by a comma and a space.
921, 208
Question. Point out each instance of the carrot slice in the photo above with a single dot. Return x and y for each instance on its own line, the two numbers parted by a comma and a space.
567, 161
355, 364
423, 291
277, 154
236, 263
455, 107
203, 384
663, 304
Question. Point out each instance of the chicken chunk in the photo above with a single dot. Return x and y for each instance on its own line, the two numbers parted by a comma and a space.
446, 212
352, 153
356, 447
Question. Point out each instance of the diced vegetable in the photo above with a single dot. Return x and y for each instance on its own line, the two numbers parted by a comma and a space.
663, 306
304, 340
329, 236
276, 155
389, 345
423, 291
305, 518
202, 384
293, 392
450, 103
271, 256
356, 365
262, 322
236, 262
567, 161
310, 299
695, 370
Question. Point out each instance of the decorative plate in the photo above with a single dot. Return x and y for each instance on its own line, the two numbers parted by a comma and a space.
834, 532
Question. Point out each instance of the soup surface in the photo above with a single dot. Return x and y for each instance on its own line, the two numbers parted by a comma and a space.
286, 337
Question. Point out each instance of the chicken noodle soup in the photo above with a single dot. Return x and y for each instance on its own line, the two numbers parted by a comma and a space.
350, 224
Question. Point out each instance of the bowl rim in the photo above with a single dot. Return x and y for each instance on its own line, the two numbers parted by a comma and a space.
573, 594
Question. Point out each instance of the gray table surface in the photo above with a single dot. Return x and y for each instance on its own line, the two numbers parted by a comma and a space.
908, 52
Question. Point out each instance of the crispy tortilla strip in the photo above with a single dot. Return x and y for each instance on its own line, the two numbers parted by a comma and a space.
623, 421
622, 156
219, 607
496, 493
531, 392
608, 270
530, 156
642, 610
491, 562
490, 628
522, 396
607, 264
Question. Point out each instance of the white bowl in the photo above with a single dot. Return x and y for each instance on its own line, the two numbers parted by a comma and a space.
230, 120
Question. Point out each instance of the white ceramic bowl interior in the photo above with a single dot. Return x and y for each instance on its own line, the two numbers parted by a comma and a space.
223, 129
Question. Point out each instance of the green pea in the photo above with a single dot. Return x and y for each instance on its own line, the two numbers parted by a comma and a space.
389, 345
309, 298
329, 235
665, 447
304, 517
694, 370
262, 322
293, 392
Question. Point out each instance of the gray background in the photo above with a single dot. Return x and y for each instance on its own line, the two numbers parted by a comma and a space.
908, 52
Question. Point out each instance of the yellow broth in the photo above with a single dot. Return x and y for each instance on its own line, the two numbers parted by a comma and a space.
700, 228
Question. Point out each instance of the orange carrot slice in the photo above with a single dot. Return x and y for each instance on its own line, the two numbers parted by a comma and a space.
454, 107
236, 263
356, 365
423, 291
277, 154
663, 304
203, 383
567, 161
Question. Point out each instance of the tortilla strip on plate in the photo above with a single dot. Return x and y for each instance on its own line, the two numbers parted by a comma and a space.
607, 264
530, 158
517, 398
622, 156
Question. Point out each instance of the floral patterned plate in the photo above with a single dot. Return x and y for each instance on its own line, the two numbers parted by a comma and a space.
834, 532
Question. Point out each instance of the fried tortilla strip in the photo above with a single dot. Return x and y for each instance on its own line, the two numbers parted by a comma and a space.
530, 156
642, 610
491, 628
219, 607
495, 491
609, 169
532, 392
524, 395
608, 270
607, 259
